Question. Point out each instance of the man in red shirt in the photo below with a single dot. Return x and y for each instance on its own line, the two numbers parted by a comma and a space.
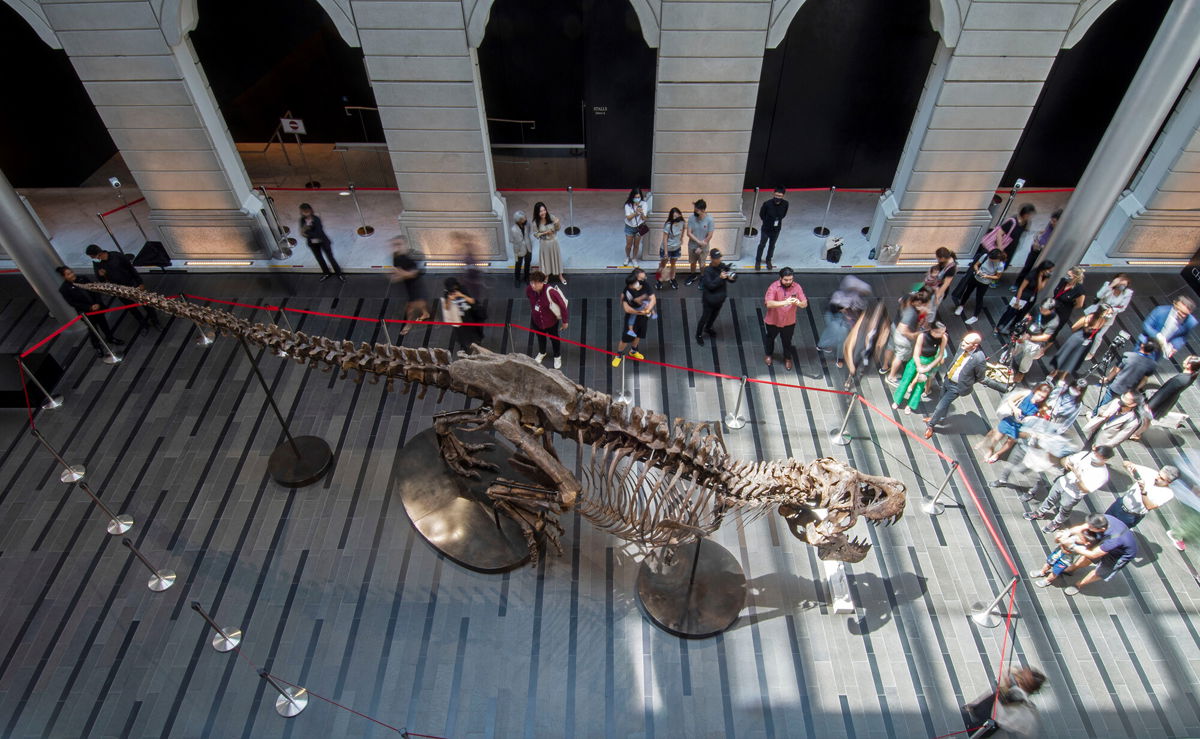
783, 297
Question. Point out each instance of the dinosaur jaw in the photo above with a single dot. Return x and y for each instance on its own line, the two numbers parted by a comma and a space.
841, 548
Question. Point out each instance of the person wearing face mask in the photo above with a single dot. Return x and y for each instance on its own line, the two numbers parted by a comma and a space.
968, 367
119, 270
772, 214
1114, 295
1168, 326
635, 221
1087, 472
700, 230
86, 301
521, 237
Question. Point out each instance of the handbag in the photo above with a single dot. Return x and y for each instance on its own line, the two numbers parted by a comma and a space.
643, 229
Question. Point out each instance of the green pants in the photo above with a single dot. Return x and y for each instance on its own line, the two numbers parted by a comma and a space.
908, 390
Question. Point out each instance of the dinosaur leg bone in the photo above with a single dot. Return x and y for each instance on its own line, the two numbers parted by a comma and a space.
509, 424
458, 454
534, 508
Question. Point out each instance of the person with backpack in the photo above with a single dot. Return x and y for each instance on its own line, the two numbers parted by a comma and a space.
1007, 236
548, 306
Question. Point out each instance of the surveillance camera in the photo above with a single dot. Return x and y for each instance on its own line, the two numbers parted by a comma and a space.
1019, 185
114, 182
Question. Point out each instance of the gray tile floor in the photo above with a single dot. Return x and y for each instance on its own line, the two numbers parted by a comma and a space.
335, 592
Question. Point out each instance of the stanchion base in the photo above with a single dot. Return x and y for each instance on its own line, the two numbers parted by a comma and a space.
365, 231
54, 401
227, 641
985, 616
204, 340
286, 229
933, 508
74, 473
734, 422
750, 231
111, 358
295, 471
120, 524
821, 231
292, 702
840, 438
453, 513
161, 580
865, 230
571, 231
713, 602
312, 185
623, 397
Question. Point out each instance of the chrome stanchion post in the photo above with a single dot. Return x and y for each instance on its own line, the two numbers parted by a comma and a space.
821, 230
110, 233
364, 230
117, 523
291, 701
625, 396
734, 419
71, 472
204, 340
933, 507
839, 436
508, 332
989, 615
571, 230
160, 580
751, 230
117, 186
222, 641
387, 335
112, 357
984, 729
52, 401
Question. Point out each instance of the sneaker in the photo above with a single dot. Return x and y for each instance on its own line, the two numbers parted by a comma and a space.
1039, 572
907, 411
635, 354
971, 320
616, 361
1051, 527
1026, 496
690, 280
958, 311
658, 285
1071, 590
341, 277
926, 397
558, 363
674, 285
539, 357
1012, 288
892, 381
883, 370
998, 483
1180, 544
1042, 582
1033, 515
324, 277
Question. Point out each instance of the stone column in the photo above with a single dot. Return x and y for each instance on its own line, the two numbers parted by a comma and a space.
24, 242
425, 78
147, 85
709, 61
981, 89
1159, 216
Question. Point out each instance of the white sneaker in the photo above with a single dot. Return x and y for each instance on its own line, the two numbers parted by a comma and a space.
539, 357
958, 311
971, 320
558, 363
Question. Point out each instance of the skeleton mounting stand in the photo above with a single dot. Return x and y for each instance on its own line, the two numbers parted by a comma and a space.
694, 596
300, 460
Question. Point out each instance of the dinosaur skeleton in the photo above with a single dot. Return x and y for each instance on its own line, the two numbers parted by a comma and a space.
656, 483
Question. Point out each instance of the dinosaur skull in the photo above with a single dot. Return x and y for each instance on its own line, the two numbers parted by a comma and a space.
830, 497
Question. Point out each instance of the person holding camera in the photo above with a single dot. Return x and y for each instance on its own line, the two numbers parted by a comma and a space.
716, 276
1033, 341
1131, 374
783, 297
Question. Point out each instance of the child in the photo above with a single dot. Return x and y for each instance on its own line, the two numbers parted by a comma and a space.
1061, 558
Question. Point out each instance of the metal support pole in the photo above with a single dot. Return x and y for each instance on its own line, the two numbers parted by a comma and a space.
117, 523
222, 641
990, 615
387, 336
270, 397
291, 701
311, 184
112, 357
52, 401
571, 230
281, 229
509, 333
734, 419
933, 507
840, 437
204, 340
751, 230
160, 580
127, 207
71, 472
364, 230
625, 396
110, 233
984, 729
821, 230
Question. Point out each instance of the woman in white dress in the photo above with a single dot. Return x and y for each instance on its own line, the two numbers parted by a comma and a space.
545, 228
1115, 294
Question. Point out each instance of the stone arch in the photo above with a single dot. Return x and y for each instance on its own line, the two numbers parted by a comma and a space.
36, 18
1088, 12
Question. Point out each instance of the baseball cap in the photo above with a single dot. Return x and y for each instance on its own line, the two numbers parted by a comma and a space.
714, 253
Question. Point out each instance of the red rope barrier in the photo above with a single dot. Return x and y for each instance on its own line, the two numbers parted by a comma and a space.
57, 331
230, 302
987, 521
123, 207
110, 310
923, 442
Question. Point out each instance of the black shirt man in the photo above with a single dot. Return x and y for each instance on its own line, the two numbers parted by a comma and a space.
84, 301
713, 282
772, 214
119, 270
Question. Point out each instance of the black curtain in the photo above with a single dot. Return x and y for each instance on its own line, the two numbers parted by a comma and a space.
1082, 92
837, 97
582, 71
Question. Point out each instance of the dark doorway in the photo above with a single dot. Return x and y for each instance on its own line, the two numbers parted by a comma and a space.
560, 73
837, 97
266, 57
52, 134
1082, 92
